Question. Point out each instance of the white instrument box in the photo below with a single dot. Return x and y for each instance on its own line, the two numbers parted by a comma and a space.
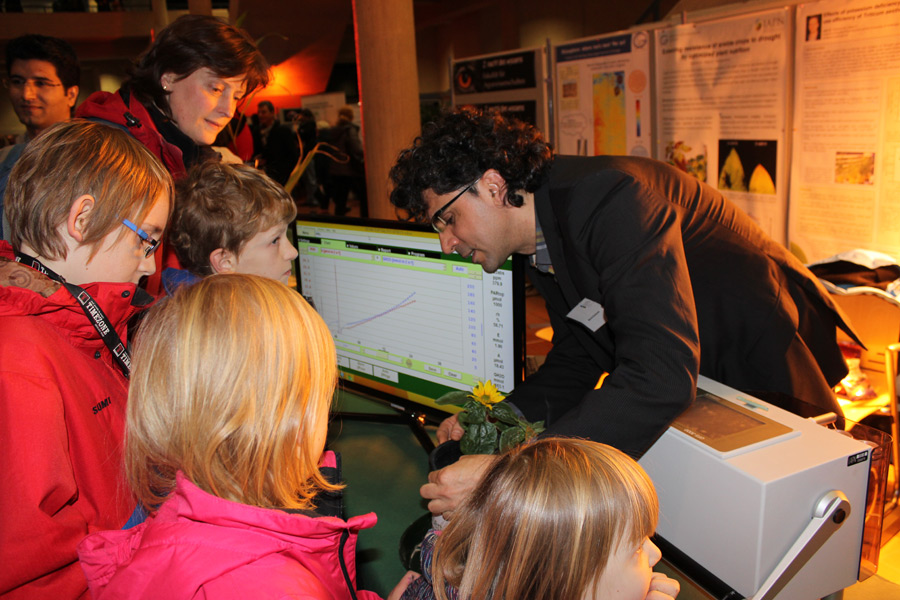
770, 503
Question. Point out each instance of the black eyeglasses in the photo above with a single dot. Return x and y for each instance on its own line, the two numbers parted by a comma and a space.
438, 223
151, 244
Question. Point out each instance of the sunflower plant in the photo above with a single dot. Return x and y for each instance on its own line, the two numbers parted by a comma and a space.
491, 425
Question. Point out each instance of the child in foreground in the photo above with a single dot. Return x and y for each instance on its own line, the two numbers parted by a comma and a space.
227, 418
556, 518
86, 203
230, 218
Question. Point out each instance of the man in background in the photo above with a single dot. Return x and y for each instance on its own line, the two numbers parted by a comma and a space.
275, 145
350, 175
305, 127
42, 75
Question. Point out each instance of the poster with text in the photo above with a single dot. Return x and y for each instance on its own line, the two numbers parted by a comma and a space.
721, 109
845, 177
603, 95
511, 82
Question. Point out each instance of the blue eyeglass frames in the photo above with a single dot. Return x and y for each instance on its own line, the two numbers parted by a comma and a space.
151, 243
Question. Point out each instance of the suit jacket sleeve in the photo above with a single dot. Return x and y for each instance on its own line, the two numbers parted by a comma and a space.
623, 249
281, 153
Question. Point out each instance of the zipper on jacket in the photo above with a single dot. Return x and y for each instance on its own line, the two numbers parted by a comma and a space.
345, 535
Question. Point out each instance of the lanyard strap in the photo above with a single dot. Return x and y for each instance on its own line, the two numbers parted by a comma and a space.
95, 314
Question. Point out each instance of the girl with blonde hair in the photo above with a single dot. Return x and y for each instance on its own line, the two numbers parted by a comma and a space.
227, 418
553, 519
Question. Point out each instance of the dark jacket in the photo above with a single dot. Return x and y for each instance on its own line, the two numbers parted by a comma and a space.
346, 137
687, 282
279, 149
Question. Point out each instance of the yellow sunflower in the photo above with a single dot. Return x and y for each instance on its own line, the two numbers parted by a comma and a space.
486, 393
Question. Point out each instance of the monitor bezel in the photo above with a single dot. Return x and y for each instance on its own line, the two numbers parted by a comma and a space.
398, 403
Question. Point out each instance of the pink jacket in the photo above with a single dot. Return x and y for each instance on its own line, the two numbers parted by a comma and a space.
201, 546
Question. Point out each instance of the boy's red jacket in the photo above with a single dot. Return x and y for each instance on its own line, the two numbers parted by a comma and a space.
62, 423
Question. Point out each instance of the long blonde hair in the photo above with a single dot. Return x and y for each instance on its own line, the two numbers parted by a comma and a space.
544, 521
232, 382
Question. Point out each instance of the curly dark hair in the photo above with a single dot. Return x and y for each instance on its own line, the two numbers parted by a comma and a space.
457, 148
193, 42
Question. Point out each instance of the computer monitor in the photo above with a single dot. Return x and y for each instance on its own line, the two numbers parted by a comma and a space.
410, 323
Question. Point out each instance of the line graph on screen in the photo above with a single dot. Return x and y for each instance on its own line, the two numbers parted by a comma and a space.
385, 307
404, 303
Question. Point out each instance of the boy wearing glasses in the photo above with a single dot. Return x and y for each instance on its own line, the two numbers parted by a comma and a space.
83, 233
230, 218
42, 75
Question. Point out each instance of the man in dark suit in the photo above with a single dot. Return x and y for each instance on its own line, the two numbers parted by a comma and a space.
648, 275
275, 145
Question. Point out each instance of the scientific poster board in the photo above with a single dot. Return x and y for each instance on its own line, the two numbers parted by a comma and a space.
513, 82
721, 108
845, 178
603, 95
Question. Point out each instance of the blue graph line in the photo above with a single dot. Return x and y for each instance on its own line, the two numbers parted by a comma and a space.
401, 304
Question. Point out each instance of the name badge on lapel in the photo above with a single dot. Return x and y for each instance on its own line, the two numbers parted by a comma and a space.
588, 313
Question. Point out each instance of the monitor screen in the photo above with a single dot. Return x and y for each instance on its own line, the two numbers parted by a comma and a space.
410, 323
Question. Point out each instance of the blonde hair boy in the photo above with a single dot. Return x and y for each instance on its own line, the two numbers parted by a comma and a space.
232, 218
76, 183
86, 203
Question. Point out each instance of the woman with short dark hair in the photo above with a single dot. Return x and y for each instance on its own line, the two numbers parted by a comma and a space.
182, 92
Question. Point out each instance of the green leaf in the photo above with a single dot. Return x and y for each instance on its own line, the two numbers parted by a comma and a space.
457, 398
473, 414
480, 438
511, 437
504, 413
531, 430
472, 405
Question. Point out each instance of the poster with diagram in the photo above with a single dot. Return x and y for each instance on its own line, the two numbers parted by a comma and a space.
603, 95
845, 175
721, 109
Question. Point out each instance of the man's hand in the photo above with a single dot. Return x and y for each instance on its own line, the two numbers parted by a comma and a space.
450, 429
663, 587
447, 488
